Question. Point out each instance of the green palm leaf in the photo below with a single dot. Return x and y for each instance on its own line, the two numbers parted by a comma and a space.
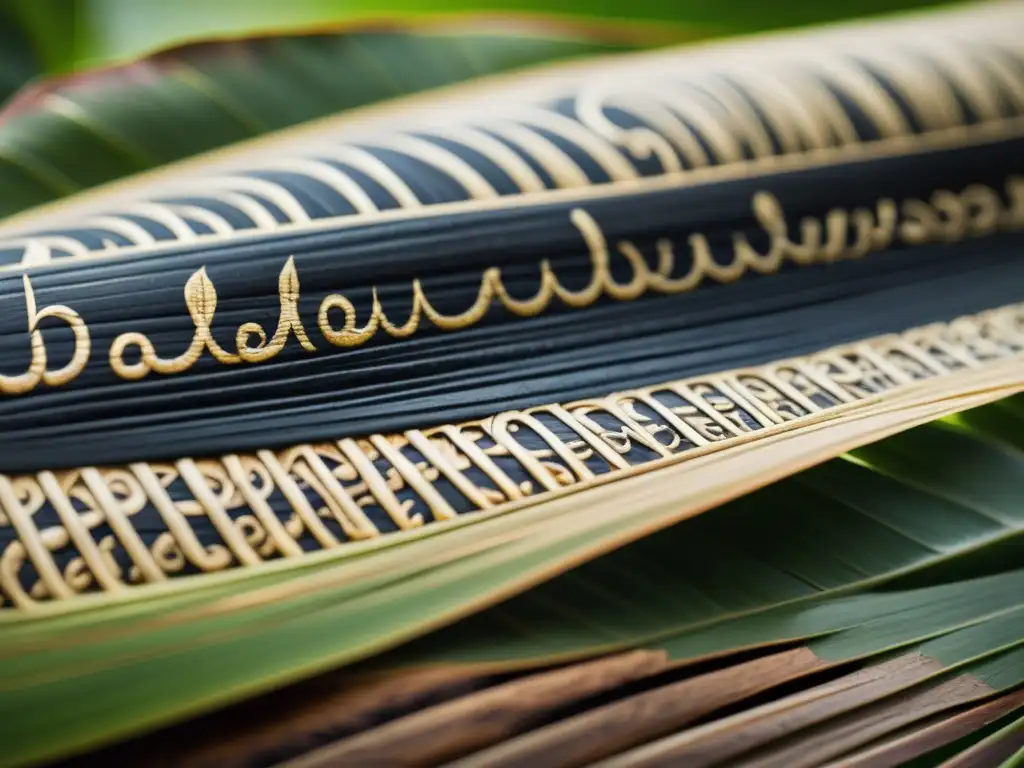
70, 134
807, 553
254, 637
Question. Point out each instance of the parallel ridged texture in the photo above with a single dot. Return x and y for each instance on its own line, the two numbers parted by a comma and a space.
693, 109
501, 412
747, 232
71, 133
142, 523
772, 571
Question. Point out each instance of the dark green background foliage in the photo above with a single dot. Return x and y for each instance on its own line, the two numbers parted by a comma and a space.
262, 65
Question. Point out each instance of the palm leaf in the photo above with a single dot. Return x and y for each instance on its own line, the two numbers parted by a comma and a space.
306, 620
796, 550
985, 748
838, 627
66, 37
73, 133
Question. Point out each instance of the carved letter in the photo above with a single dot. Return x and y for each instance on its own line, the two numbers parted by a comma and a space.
37, 371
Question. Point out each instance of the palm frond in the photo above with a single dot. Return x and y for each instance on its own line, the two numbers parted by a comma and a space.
544, 420
738, 597
85, 129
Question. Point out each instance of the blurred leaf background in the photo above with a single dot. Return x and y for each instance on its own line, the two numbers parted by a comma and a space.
263, 65
57, 36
